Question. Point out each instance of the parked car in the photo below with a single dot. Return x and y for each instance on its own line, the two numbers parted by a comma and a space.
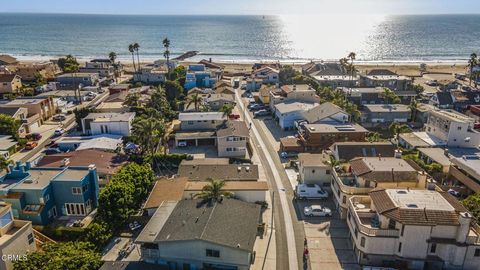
256, 107
310, 191
52, 151
252, 103
289, 154
34, 136
431, 83
182, 144
234, 116
59, 117
317, 211
59, 131
460, 76
247, 94
261, 112
30, 145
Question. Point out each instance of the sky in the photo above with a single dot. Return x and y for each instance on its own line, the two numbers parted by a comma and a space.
257, 7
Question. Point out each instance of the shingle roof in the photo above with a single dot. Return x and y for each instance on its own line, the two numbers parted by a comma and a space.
166, 189
7, 59
231, 223
233, 128
7, 77
349, 150
230, 185
383, 169
201, 171
321, 112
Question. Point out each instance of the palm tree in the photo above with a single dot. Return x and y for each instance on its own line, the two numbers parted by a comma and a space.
132, 100
472, 62
113, 57
195, 99
148, 133
136, 48
413, 107
166, 54
227, 109
132, 51
213, 190
352, 56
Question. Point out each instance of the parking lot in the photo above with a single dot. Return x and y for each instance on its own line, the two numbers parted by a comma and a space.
327, 237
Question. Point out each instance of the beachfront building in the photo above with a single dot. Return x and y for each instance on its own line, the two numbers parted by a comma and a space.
361, 175
30, 71
413, 229
74, 80
185, 235
103, 67
108, 123
385, 78
16, 238
7, 60
150, 75
384, 114
290, 93
10, 83
262, 76
198, 75
43, 194
331, 74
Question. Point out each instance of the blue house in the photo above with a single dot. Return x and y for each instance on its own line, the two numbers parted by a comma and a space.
200, 76
43, 194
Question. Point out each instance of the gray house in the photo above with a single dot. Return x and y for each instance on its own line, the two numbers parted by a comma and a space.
193, 234
73, 80
385, 114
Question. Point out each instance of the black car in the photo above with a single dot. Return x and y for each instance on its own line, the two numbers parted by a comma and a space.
52, 151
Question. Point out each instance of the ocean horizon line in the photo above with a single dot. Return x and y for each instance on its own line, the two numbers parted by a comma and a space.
228, 14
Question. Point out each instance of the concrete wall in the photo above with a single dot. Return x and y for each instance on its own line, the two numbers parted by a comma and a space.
116, 128
320, 175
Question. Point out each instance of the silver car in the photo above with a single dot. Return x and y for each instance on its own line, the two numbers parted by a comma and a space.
317, 211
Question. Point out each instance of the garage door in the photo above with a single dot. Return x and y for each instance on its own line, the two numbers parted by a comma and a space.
206, 142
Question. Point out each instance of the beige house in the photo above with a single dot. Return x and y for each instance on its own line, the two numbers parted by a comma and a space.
413, 229
362, 175
191, 235
10, 83
16, 238
44, 107
28, 124
315, 169
232, 139
28, 72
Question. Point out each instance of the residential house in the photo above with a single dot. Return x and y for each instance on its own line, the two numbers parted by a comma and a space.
253, 84
232, 139
185, 234
8, 146
150, 75
442, 100
413, 229
318, 137
247, 191
225, 90
209, 64
421, 113
198, 75
200, 120
7, 60
217, 168
367, 173
437, 155
118, 88
165, 190
288, 113
162, 63
385, 78
29, 72
10, 83
275, 65
106, 142
291, 93
385, 114
216, 101
21, 115
263, 76
264, 94
361, 96
107, 163
16, 238
345, 151
108, 123
315, 169
75, 80
464, 171
39, 108
330, 74
42, 194
104, 69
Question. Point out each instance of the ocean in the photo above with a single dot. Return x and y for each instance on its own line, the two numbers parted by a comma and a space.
409, 38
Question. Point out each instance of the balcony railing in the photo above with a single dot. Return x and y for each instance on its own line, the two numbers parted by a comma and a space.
351, 190
366, 213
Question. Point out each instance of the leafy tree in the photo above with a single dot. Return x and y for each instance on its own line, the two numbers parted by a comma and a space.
472, 203
194, 99
286, 75
373, 137
213, 190
418, 89
351, 67
227, 109
62, 256
472, 62
113, 57
142, 178
9, 126
166, 54
173, 89
178, 74
39, 79
396, 129
4, 163
414, 109
80, 114
68, 64
148, 133
131, 49
390, 96
98, 233
132, 100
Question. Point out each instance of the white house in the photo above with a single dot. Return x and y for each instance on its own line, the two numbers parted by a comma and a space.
108, 123
315, 169
413, 229
267, 74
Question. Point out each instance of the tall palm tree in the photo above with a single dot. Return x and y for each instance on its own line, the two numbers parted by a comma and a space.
132, 51
213, 190
113, 57
227, 109
472, 62
413, 107
195, 99
148, 133
352, 56
136, 48
166, 54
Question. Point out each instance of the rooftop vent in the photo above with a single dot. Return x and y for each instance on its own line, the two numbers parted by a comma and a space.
412, 205
401, 192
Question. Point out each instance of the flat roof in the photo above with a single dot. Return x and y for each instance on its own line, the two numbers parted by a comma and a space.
110, 117
197, 116
385, 108
156, 222
436, 154
467, 159
335, 128
452, 115
419, 199
166, 189
308, 159
295, 106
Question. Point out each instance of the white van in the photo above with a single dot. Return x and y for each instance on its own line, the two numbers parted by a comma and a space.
310, 191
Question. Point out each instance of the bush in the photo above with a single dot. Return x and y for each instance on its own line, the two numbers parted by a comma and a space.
63, 234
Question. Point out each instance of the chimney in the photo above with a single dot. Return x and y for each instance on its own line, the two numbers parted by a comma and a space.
379, 156
210, 60
28, 165
446, 152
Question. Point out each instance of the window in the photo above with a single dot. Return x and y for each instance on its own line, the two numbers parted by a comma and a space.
76, 190
344, 199
190, 122
477, 252
356, 233
362, 241
30, 238
403, 229
213, 253
391, 224
313, 171
327, 172
459, 128
84, 188
46, 197
400, 247
433, 248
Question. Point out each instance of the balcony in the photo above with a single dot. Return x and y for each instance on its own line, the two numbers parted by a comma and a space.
473, 237
365, 219
348, 184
